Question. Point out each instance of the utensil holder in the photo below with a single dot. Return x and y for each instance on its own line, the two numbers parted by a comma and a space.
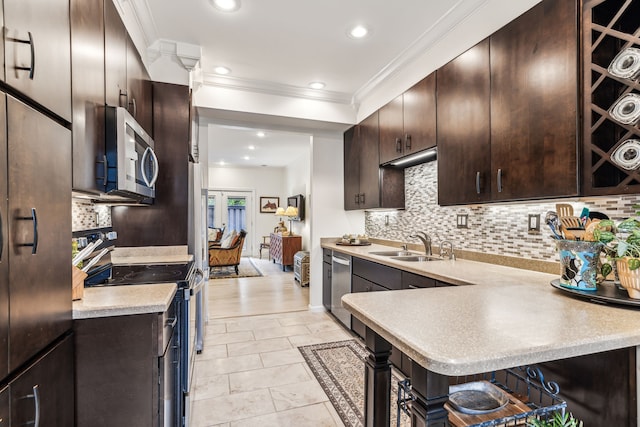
77, 283
579, 263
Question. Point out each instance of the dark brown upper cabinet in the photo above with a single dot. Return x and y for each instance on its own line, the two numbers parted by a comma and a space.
366, 184
37, 52
127, 83
611, 156
408, 123
534, 98
87, 93
464, 132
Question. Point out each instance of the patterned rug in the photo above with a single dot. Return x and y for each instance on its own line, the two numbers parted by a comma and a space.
246, 268
339, 368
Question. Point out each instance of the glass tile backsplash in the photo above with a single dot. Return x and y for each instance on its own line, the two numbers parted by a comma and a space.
86, 215
495, 228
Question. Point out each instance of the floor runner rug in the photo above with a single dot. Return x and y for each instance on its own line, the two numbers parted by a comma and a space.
339, 368
246, 268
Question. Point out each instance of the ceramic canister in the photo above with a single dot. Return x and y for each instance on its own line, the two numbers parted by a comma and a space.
579, 264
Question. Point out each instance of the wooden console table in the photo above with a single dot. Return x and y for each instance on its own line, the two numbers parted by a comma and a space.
283, 248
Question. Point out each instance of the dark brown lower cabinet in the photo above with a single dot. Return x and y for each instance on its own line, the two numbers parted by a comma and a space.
600, 388
122, 372
44, 391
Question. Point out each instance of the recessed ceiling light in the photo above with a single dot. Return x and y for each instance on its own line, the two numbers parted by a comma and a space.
226, 5
221, 163
251, 147
317, 85
358, 32
222, 70
260, 134
246, 157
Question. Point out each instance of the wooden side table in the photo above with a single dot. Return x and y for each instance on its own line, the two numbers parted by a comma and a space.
283, 248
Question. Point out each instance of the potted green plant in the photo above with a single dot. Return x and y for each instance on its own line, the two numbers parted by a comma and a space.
621, 247
558, 420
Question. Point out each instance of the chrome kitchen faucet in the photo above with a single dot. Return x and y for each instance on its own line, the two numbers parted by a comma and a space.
426, 240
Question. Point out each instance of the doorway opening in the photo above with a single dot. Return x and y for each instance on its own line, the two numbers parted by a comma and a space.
232, 210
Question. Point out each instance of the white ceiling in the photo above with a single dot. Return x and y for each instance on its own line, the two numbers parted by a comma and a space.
283, 45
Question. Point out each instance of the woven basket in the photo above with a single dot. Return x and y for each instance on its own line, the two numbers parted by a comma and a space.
629, 279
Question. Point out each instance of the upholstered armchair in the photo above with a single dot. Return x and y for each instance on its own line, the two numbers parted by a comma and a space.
220, 256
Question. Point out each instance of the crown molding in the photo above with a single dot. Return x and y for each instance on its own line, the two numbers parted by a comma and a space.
455, 16
278, 89
143, 19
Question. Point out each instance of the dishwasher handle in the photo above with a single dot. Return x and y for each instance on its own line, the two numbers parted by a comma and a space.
341, 261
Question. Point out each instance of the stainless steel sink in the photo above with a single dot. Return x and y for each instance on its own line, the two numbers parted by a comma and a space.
397, 253
415, 258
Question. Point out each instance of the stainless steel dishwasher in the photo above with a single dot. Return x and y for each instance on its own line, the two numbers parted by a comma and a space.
340, 285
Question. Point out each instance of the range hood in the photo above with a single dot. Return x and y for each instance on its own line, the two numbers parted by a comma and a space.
423, 156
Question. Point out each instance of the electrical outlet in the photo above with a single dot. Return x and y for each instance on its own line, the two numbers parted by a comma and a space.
462, 221
534, 224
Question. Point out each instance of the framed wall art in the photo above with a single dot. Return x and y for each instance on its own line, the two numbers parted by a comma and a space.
269, 204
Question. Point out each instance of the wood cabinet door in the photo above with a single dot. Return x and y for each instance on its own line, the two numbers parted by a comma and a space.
534, 96
351, 169
4, 247
115, 57
419, 116
369, 162
139, 89
37, 52
39, 153
87, 89
464, 133
391, 130
45, 390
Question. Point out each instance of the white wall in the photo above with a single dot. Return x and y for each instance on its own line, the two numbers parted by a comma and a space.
264, 181
326, 207
298, 181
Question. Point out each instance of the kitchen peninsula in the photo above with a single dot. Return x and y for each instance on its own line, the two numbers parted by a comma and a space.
502, 318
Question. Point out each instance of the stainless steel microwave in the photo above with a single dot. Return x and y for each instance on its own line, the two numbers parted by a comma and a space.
131, 162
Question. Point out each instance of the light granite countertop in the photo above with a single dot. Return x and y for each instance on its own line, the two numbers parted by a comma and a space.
132, 299
507, 317
124, 300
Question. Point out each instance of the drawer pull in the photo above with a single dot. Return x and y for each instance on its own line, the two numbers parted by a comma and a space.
32, 68
36, 398
172, 322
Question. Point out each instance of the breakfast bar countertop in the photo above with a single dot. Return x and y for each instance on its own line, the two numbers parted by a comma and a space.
505, 317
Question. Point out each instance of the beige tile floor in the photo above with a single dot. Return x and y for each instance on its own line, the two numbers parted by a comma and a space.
250, 372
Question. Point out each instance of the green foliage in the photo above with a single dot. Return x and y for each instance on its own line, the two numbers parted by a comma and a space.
558, 420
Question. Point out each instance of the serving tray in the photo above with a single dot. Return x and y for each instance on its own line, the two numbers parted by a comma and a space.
606, 292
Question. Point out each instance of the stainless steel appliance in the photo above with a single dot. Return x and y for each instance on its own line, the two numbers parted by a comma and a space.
130, 164
340, 285
190, 281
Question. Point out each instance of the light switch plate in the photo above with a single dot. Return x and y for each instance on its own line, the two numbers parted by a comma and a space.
462, 221
533, 224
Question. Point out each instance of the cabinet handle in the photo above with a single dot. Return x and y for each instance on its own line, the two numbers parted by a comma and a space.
499, 180
32, 68
362, 198
407, 142
36, 398
413, 287
104, 170
478, 182
1, 244
34, 218
126, 98
172, 322
398, 145
135, 107
357, 199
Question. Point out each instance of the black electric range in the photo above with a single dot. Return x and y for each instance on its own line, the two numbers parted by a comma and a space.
137, 274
